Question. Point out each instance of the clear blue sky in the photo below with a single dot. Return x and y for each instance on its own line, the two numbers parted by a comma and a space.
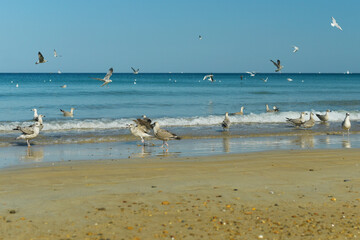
162, 36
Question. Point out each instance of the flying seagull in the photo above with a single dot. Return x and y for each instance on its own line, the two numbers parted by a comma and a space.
252, 74
106, 79
265, 79
200, 37
209, 77
55, 54
295, 49
278, 66
41, 59
135, 71
335, 24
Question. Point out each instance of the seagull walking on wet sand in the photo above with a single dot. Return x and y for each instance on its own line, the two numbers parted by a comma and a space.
277, 65
106, 80
297, 121
209, 77
226, 123
32, 135
135, 71
324, 117
275, 108
41, 58
335, 24
309, 123
138, 131
346, 124
68, 114
163, 134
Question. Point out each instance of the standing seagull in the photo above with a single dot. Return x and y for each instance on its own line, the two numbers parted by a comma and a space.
135, 71
209, 77
297, 121
295, 49
346, 124
324, 117
309, 123
275, 108
33, 135
226, 123
41, 58
138, 131
55, 54
68, 114
106, 79
278, 66
163, 134
334, 23
35, 114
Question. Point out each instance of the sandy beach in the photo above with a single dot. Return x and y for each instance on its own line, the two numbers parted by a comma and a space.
302, 194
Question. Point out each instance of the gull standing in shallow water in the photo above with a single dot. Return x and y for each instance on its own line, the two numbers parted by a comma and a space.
30, 129
346, 124
106, 79
68, 114
278, 65
41, 58
324, 117
138, 131
309, 123
226, 123
275, 108
297, 121
335, 24
32, 135
163, 134
35, 114
239, 113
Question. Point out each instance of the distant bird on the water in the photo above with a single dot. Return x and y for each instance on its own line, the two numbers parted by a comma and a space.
275, 108
106, 79
32, 135
209, 77
63, 86
309, 123
335, 24
278, 65
17, 85
135, 71
346, 124
289, 79
163, 134
295, 49
55, 54
324, 117
239, 113
226, 123
41, 58
297, 121
68, 114
138, 131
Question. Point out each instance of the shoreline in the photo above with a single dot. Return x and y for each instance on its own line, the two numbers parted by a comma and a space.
292, 194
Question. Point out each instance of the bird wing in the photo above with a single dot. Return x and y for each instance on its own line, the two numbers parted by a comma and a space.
105, 83
333, 20
338, 26
109, 73
55, 54
274, 63
133, 69
207, 76
103, 80
166, 134
278, 63
41, 57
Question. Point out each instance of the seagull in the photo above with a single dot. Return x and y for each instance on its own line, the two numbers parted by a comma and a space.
275, 109
252, 74
63, 86
265, 79
226, 123
32, 135
30, 129
295, 49
68, 114
309, 123
210, 77
346, 124
35, 114
278, 66
55, 54
138, 131
106, 79
297, 121
334, 23
289, 79
135, 71
144, 121
324, 117
200, 37
163, 134
41, 59
17, 85
239, 113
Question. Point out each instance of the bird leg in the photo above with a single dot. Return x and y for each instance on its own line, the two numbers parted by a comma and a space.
28, 143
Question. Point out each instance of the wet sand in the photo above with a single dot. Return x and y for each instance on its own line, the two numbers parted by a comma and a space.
302, 194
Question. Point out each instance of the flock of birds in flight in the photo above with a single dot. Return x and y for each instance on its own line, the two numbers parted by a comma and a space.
143, 126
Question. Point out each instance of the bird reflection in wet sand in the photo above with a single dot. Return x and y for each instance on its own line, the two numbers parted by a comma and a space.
166, 153
346, 143
305, 141
33, 155
145, 152
226, 144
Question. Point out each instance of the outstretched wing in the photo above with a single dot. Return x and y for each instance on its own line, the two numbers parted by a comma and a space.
105, 83
99, 79
133, 69
278, 63
274, 63
109, 73
41, 57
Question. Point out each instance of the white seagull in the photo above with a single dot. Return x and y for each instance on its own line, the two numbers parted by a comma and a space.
210, 77
135, 71
346, 124
289, 79
33, 135
295, 49
252, 74
335, 24
106, 79
278, 66
41, 58
55, 54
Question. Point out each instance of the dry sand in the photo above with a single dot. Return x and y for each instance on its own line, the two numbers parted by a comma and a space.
271, 195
